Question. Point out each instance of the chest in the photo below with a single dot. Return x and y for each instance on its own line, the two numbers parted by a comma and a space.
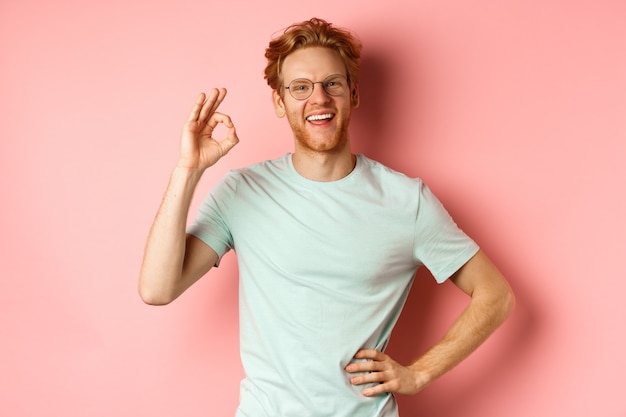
342, 236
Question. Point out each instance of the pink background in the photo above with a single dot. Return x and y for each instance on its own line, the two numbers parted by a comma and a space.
514, 112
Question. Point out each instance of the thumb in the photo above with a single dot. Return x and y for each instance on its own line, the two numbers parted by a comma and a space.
231, 138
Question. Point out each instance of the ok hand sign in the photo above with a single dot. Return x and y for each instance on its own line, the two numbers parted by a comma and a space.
199, 149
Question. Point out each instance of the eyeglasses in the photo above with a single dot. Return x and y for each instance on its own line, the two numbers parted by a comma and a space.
333, 85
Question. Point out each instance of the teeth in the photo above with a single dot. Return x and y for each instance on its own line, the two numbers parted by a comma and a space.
320, 117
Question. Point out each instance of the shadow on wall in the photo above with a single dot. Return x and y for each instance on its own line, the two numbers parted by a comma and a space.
369, 121
385, 124
421, 323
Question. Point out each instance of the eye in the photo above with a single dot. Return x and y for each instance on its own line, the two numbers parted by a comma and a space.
335, 85
300, 86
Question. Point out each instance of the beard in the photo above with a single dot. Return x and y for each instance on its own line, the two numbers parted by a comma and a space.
329, 142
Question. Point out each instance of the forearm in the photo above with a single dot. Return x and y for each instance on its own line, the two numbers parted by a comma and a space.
485, 313
161, 277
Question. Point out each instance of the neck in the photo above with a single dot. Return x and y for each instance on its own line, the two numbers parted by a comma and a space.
323, 166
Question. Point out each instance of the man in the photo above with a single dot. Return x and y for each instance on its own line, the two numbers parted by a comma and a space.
327, 242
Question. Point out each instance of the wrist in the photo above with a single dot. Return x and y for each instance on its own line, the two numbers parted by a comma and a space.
187, 172
421, 377
184, 180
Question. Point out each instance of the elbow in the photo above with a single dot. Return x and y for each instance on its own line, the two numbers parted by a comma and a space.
153, 300
507, 303
499, 303
153, 297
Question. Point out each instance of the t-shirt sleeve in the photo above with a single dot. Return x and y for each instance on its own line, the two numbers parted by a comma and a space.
211, 224
439, 244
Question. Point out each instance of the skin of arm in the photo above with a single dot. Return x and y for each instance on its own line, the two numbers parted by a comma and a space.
492, 301
173, 260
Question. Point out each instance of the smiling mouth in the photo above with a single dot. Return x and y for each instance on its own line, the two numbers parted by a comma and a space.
320, 117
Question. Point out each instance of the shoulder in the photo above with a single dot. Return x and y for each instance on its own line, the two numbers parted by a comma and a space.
387, 176
261, 177
256, 172
393, 189
263, 168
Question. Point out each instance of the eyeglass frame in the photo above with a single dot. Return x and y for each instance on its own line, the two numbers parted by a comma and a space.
287, 87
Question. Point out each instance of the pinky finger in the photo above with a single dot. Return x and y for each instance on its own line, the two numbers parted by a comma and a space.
212, 102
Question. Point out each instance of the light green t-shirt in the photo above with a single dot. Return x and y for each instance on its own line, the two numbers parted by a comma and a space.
325, 268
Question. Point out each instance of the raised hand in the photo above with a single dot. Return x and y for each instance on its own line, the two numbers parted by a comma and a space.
199, 149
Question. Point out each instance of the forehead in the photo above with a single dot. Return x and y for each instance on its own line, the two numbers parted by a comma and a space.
315, 63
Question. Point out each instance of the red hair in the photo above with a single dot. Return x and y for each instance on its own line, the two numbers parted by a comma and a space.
313, 32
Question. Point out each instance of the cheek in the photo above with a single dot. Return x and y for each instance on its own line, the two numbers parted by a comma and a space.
295, 121
294, 112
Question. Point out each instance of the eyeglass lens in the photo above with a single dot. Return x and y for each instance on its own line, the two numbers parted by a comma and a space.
302, 88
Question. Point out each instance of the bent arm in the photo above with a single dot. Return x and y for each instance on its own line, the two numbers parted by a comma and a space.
173, 260
492, 301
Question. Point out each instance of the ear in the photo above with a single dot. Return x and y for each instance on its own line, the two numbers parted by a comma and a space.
279, 105
354, 96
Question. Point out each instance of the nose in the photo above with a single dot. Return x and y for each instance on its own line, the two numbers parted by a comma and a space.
319, 94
